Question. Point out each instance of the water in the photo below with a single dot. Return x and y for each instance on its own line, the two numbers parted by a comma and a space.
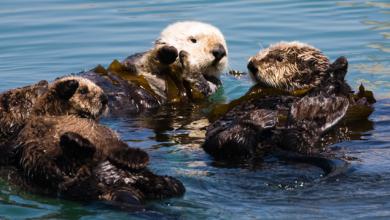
46, 39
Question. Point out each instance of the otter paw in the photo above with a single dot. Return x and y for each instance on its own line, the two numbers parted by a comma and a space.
184, 59
130, 158
167, 54
310, 119
75, 146
67, 89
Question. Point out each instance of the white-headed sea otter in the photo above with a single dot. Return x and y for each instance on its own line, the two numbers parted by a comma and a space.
184, 64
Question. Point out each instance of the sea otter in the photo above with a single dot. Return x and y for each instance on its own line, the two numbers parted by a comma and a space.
16, 106
276, 120
62, 149
184, 64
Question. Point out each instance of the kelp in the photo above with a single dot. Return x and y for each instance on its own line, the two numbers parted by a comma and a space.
237, 73
100, 70
367, 94
178, 89
121, 72
300, 92
172, 91
253, 93
360, 103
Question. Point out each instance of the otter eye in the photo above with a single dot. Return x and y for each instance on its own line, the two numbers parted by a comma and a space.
279, 59
193, 41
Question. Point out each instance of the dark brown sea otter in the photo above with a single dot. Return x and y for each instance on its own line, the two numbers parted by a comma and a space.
273, 120
63, 150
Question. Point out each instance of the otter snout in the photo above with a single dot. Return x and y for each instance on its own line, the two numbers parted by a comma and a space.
219, 52
251, 67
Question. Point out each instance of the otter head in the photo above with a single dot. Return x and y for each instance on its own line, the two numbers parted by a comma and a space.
289, 66
72, 96
16, 105
204, 42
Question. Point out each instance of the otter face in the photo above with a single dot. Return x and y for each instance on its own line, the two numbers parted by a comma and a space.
72, 96
289, 66
204, 42
89, 100
16, 105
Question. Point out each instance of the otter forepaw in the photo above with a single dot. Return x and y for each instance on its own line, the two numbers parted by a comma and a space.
75, 146
130, 158
167, 54
67, 89
184, 59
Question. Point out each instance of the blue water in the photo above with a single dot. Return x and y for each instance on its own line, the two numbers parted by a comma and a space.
46, 39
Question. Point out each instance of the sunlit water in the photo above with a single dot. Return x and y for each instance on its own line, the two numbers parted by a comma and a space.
46, 39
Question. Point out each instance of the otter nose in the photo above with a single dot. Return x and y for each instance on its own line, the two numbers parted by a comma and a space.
219, 52
251, 67
104, 99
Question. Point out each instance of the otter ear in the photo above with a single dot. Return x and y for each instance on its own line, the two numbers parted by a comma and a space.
340, 67
74, 146
66, 89
42, 83
41, 87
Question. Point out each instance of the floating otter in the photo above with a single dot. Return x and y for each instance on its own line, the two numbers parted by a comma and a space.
184, 63
15, 107
63, 150
272, 120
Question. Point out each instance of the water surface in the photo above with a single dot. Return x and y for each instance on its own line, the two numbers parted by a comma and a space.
46, 39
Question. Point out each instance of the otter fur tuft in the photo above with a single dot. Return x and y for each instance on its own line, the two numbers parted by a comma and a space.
16, 106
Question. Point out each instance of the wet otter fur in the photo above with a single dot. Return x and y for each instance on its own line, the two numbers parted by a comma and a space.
289, 66
273, 123
16, 106
63, 149
83, 160
187, 54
